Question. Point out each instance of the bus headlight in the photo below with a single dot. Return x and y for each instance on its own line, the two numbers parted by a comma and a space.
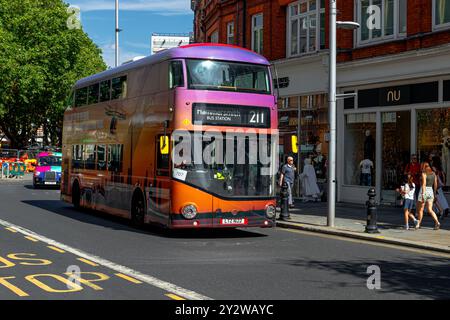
270, 212
189, 211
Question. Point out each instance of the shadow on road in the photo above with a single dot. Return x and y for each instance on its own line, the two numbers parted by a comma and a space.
118, 223
429, 277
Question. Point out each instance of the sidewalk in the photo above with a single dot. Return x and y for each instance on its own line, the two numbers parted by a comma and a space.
351, 221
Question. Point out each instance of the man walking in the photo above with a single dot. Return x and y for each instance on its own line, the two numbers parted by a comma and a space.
288, 175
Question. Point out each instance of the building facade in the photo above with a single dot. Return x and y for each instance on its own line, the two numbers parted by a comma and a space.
398, 63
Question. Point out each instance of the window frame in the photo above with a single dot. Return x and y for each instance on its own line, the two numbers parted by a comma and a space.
172, 84
319, 10
100, 90
260, 35
124, 89
396, 35
230, 34
213, 36
440, 26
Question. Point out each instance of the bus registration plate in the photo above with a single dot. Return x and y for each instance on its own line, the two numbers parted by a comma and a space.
234, 221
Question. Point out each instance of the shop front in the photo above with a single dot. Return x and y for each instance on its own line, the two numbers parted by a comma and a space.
383, 127
303, 127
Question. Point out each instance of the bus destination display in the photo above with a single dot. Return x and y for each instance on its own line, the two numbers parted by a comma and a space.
230, 115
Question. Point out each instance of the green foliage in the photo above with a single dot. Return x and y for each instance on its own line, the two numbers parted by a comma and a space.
40, 60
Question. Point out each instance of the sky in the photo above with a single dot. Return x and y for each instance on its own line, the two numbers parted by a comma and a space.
137, 18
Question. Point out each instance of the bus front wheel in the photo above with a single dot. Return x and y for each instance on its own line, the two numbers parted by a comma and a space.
137, 210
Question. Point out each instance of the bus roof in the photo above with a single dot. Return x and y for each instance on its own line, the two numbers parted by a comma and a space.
214, 51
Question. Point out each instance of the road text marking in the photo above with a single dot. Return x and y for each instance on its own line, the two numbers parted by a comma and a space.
123, 270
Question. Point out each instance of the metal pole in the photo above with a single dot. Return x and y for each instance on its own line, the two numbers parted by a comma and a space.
117, 33
299, 119
332, 116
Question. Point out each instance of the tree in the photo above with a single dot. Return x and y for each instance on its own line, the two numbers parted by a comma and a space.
41, 57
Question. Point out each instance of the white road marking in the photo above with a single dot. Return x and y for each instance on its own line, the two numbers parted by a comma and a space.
185, 293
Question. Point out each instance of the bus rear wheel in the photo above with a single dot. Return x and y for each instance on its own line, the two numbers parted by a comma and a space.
137, 210
76, 195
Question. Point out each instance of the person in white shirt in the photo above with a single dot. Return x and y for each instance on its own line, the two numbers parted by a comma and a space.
366, 172
407, 191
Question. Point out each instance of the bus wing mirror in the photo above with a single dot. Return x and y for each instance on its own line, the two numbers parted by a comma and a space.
164, 144
294, 142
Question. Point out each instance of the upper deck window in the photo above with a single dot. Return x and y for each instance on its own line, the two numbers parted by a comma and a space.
81, 97
227, 76
105, 90
176, 78
119, 88
93, 94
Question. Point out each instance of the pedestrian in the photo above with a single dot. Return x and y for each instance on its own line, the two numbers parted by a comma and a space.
427, 195
441, 202
413, 168
288, 176
407, 190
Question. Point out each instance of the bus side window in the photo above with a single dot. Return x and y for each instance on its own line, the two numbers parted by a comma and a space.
105, 90
101, 157
93, 94
162, 160
176, 78
115, 157
81, 97
89, 157
119, 88
77, 157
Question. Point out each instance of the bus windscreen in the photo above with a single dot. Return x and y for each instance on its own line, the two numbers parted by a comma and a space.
227, 76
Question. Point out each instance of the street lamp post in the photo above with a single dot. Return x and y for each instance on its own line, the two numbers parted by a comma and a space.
117, 33
332, 96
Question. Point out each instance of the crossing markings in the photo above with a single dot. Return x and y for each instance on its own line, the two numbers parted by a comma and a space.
31, 239
134, 275
56, 249
88, 262
174, 296
125, 277
12, 230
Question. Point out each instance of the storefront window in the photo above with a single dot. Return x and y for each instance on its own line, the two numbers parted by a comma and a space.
359, 150
395, 148
314, 128
433, 139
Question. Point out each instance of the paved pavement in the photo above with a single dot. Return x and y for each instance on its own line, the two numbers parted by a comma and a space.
241, 264
351, 221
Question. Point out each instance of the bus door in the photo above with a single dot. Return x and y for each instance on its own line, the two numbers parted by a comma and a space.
159, 188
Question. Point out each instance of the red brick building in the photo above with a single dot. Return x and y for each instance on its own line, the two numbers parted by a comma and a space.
397, 62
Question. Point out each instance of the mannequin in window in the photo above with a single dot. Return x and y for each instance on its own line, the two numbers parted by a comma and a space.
446, 155
310, 190
366, 166
369, 146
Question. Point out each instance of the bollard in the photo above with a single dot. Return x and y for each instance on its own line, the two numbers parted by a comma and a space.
284, 214
371, 226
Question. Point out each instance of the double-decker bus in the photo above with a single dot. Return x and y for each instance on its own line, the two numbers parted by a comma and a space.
185, 138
